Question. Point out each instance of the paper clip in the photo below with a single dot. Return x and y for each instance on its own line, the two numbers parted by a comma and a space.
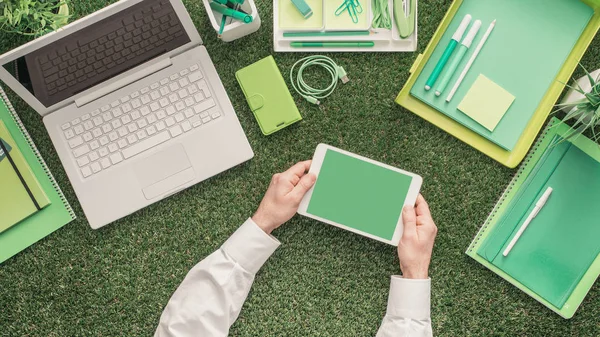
353, 7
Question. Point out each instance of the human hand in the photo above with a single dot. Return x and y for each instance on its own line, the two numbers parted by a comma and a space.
416, 244
282, 199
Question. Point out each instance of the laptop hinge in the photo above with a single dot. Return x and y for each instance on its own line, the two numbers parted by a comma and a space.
107, 89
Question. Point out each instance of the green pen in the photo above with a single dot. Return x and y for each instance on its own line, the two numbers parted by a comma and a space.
333, 44
448, 52
231, 12
462, 50
332, 33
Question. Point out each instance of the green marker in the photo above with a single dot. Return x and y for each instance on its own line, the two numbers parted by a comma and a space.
448, 52
462, 50
333, 33
231, 12
333, 44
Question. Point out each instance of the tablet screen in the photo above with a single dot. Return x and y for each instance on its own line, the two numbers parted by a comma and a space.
358, 194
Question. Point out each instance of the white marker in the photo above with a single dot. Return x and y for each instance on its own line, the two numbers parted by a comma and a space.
538, 206
468, 66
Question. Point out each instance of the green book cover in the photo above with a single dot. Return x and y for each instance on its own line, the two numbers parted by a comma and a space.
52, 217
556, 261
21, 194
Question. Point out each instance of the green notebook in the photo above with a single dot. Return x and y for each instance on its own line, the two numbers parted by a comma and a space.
20, 194
268, 95
557, 259
523, 54
50, 218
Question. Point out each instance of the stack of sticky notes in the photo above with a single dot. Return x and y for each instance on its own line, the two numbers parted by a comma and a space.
486, 102
20, 192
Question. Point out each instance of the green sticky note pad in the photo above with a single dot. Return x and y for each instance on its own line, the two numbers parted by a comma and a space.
359, 195
486, 102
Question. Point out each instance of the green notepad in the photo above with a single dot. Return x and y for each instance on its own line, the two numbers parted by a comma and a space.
20, 192
486, 102
557, 259
53, 216
268, 96
524, 53
359, 194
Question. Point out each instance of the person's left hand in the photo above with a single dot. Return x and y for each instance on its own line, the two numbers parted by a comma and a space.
282, 199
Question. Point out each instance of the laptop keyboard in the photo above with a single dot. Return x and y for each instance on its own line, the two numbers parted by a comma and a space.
141, 120
104, 49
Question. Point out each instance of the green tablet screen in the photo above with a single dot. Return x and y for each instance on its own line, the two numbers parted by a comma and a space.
358, 194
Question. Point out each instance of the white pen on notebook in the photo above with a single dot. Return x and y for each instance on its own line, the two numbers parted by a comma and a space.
538, 206
471, 60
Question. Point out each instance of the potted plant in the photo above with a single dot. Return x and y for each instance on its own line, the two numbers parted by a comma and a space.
33, 17
582, 105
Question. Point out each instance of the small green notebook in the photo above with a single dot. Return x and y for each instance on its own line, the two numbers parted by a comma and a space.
268, 96
55, 215
557, 259
20, 192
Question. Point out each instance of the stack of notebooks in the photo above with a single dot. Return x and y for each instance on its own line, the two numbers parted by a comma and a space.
512, 84
557, 258
31, 203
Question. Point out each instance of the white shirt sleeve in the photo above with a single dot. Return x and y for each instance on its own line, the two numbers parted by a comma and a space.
210, 298
408, 310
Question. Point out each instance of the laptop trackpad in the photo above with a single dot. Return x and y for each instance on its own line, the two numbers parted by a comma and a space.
164, 171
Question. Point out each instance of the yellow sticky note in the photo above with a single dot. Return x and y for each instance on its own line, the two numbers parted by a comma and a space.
486, 102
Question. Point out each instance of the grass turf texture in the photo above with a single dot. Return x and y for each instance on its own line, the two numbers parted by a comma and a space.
323, 281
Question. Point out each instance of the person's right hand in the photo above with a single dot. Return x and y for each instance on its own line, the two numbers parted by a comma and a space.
416, 244
283, 196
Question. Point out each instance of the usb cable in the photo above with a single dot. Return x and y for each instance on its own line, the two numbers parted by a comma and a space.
311, 94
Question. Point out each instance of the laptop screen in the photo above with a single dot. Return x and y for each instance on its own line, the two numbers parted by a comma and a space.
98, 52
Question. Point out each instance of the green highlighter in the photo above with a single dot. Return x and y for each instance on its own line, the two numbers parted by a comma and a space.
456, 37
332, 44
462, 50
268, 95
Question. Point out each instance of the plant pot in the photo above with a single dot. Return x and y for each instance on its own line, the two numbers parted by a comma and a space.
574, 96
584, 84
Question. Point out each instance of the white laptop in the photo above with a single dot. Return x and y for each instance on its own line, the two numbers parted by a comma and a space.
132, 103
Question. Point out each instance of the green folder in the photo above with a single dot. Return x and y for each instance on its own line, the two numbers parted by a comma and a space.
268, 95
20, 194
523, 54
557, 259
53, 216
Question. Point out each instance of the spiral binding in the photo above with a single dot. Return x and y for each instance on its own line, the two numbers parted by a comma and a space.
17, 120
510, 186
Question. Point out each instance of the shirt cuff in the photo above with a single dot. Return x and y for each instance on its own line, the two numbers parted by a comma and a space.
250, 246
409, 298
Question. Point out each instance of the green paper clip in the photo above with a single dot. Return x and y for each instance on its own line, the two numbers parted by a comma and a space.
404, 15
353, 7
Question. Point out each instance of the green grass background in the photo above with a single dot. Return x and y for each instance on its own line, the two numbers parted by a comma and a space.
323, 281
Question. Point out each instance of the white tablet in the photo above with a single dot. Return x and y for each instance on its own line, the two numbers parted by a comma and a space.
359, 194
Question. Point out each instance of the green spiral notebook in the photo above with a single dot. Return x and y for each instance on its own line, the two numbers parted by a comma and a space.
55, 214
20, 192
557, 259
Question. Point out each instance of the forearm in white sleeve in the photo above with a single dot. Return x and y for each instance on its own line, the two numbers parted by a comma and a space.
210, 298
408, 310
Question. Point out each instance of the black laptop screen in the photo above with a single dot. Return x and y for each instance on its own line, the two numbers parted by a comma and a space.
100, 51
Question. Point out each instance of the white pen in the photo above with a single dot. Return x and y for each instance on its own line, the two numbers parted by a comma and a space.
471, 60
538, 206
